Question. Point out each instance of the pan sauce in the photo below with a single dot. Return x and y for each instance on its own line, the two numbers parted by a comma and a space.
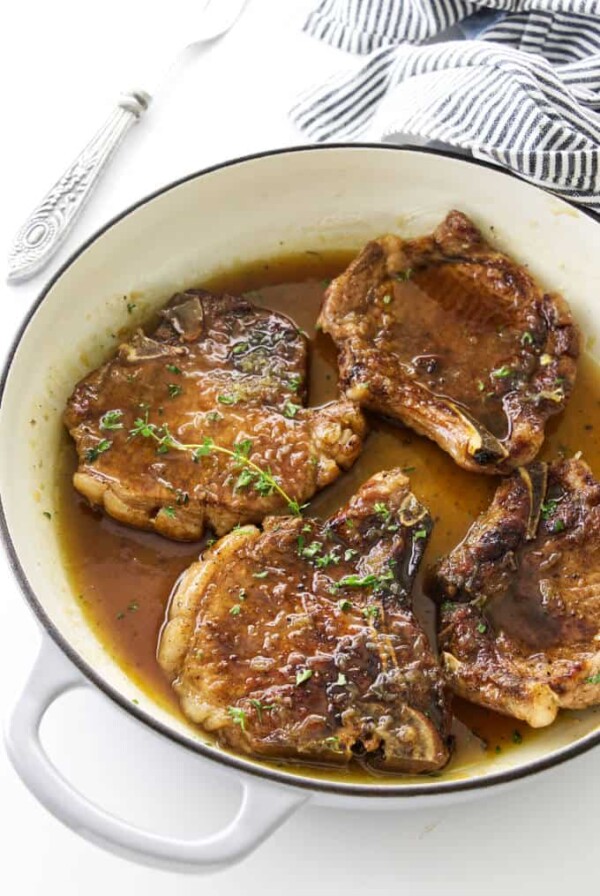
123, 577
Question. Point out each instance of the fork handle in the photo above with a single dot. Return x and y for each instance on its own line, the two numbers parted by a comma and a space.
46, 227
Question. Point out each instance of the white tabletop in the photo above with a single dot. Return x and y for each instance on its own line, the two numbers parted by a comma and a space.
63, 64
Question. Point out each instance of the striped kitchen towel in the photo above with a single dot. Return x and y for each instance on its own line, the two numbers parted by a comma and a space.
525, 94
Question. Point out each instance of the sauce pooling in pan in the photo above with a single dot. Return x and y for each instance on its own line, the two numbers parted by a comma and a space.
123, 577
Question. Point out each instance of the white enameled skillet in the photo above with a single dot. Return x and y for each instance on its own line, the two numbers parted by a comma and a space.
258, 207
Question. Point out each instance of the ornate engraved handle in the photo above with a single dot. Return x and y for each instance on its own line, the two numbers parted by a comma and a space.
46, 227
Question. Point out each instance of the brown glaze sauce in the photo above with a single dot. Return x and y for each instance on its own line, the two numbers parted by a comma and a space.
123, 577
484, 338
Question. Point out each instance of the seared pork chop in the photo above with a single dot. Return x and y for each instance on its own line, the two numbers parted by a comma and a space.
520, 611
455, 340
223, 375
300, 641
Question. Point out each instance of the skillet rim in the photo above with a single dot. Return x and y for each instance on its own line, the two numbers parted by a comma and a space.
248, 766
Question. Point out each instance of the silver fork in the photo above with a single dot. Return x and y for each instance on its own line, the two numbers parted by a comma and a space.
49, 223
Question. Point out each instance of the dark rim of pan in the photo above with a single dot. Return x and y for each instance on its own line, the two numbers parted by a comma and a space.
248, 766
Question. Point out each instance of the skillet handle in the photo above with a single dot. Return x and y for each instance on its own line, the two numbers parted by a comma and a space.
263, 809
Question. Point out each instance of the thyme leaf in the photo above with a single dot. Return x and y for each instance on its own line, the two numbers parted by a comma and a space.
238, 715
99, 448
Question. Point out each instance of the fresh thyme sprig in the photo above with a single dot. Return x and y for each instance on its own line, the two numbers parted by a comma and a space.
261, 480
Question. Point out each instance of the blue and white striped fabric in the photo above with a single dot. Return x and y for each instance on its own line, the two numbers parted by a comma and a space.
525, 94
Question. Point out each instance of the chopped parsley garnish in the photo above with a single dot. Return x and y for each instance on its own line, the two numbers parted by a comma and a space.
481, 385
261, 575
341, 679
408, 469
371, 612
169, 511
356, 581
311, 550
517, 737
558, 526
47, 514
349, 554
227, 399
482, 628
383, 511
549, 508
290, 409
214, 416
238, 715
387, 299
111, 419
236, 610
174, 390
344, 605
260, 708
130, 307
420, 533
173, 368
501, 372
593, 679
303, 676
326, 560
239, 348
99, 448
295, 382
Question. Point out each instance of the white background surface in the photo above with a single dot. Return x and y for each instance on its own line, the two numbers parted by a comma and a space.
62, 65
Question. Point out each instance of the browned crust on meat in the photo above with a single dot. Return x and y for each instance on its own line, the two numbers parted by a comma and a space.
218, 368
520, 596
524, 371
269, 648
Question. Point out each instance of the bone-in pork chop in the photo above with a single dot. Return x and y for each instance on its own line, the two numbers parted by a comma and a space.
456, 340
228, 378
300, 641
520, 596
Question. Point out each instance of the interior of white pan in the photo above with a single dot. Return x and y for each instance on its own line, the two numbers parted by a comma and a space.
274, 204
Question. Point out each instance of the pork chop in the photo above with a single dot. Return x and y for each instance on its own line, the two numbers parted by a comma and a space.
202, 422
456, 340
300, 641
520, 612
